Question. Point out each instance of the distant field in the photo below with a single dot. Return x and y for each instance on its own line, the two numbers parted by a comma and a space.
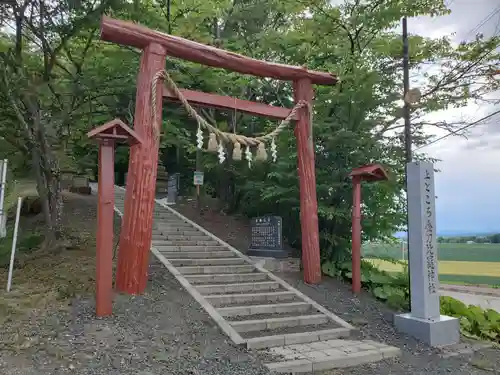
446, 251
458, 263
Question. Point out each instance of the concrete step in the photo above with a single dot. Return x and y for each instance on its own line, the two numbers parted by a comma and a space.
160, 224
207, 262
160, 240
296, 338
170, 221
241, 288
220, 300
180, 231
280, 308
201, 254
180, 237
226, 278
162, 247
276, 323
215, 269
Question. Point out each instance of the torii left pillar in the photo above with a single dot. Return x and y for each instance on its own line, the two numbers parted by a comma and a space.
136, 232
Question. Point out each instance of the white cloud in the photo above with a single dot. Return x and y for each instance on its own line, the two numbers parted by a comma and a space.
468, 183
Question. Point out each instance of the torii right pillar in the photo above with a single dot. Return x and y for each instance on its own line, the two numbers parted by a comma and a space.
303, 90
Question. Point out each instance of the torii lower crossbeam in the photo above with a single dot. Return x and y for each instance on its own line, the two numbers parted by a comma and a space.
136, 233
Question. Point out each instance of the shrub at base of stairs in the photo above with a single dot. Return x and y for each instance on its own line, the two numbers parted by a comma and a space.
393, 288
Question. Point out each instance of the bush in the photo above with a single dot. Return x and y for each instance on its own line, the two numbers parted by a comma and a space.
474, 321
392, 288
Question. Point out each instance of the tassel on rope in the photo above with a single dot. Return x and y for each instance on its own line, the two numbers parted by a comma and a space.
248, 156
261, 152
212, 143
220, 151
199, 138
274, 151
237, 151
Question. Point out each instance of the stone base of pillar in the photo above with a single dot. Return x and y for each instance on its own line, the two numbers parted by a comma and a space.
442, 331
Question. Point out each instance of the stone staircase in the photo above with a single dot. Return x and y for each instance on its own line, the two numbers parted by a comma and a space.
251, 305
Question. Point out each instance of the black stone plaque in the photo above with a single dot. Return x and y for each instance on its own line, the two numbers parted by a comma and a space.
266, 237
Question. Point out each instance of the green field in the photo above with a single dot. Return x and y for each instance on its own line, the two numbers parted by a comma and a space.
476, 252
476, 264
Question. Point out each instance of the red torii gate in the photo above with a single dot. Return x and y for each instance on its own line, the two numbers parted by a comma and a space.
136, 232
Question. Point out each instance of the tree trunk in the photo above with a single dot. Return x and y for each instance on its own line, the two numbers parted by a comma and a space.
48, 179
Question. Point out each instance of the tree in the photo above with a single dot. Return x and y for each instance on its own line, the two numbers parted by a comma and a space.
40, 79
76, 82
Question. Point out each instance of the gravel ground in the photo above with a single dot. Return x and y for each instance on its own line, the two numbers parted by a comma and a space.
374, 322
163, 332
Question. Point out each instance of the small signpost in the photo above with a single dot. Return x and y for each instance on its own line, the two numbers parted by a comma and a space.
267, 238
198, 178
425, 321
107, 136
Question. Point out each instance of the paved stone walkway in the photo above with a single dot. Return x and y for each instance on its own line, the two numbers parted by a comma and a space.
323, 355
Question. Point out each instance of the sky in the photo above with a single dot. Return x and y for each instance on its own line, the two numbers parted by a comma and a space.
468, 181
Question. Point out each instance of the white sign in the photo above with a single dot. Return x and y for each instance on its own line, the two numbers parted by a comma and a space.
422, 245
198, 178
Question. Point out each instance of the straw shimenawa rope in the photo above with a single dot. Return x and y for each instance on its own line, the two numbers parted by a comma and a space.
228, 137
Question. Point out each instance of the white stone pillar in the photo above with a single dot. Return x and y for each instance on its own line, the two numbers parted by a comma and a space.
422, 242
424, 322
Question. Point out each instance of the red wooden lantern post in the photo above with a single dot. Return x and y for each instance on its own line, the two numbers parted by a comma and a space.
369, 173
107, 136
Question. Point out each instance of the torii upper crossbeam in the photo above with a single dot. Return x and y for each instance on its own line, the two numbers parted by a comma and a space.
136, 233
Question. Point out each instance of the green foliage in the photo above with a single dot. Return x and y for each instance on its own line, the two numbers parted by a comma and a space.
78, 82
393, 288
474, 321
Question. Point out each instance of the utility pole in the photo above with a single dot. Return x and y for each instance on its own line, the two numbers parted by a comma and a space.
406, 89
407, 134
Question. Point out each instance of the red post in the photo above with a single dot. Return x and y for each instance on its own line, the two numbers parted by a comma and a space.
307, 179
356, 234
105, 215
135, 236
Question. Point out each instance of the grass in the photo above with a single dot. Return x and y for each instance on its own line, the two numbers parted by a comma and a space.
459, 263
15, 189
451, 272
446, 251
446, 267
27, 240
470, 280
45, 279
